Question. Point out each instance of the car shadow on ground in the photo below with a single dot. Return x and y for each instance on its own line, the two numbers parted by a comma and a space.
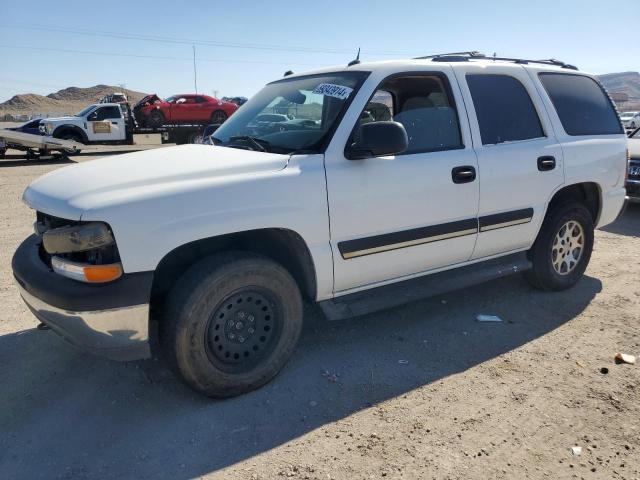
67, 414
629, 222
24, 161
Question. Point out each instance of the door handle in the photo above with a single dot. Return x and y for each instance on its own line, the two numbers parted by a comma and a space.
464, 174
114, 123
546, 163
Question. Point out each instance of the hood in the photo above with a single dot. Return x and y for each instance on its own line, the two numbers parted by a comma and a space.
62, 119
69, 192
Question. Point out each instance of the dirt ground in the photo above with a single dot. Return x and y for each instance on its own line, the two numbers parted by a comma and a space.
422, 391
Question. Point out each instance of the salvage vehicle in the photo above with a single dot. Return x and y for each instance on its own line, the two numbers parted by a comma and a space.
32, 127
151, 111
204, 253
633, 174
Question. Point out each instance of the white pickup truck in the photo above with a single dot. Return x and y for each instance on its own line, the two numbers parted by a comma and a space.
97, 123
414, 177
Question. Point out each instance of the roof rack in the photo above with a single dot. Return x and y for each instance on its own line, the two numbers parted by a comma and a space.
466, 56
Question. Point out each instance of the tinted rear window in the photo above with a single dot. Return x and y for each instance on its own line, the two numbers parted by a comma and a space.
504, 109
582, 104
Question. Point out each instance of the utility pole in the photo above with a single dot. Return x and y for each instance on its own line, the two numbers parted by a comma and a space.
195, 73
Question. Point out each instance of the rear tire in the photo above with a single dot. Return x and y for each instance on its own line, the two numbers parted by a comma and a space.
561, 252
232, 322
218, 117
156, 119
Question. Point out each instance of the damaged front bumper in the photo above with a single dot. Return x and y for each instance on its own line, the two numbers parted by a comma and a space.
110, 319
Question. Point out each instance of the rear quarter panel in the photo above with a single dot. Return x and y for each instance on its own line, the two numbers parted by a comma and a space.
601, 159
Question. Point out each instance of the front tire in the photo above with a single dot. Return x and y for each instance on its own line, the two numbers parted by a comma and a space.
233, 321
74, 137
561, 252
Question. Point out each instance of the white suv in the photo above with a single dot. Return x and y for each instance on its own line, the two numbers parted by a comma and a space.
463, 169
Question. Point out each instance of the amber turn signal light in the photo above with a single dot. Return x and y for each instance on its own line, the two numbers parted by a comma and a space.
102, 273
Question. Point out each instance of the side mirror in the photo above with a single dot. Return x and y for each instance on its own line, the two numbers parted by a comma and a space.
377, 139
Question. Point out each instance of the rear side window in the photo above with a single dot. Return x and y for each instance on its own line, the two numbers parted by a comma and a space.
582, 104
504, 109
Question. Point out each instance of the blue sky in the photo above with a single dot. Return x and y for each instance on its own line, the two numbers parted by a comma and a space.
242, 45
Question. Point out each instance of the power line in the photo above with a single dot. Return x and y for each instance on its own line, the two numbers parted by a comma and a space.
189, 41
155, 57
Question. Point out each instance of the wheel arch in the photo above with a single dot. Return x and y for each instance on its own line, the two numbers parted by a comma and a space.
284, 246
587, 193
219, 110
62, 129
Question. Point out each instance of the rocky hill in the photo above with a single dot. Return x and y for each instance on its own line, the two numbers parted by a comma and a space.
66, 101
624, 88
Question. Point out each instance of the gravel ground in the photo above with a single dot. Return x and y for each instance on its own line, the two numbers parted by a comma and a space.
422, 391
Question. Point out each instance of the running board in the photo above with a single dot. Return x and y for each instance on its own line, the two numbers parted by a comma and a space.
395, 294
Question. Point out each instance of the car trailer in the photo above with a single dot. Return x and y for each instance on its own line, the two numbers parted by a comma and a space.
35, 145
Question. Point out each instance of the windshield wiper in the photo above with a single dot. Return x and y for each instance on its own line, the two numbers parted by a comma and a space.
256, 142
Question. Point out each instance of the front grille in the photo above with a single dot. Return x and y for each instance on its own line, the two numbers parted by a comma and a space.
634, 166
633, 190
47, 221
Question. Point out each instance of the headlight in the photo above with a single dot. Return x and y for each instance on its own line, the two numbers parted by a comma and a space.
77, 238
86, 273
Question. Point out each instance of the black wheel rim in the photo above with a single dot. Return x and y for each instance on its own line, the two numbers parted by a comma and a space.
243, 329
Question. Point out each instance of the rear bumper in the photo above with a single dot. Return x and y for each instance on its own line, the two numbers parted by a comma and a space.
612, 203
633, 190
111, 319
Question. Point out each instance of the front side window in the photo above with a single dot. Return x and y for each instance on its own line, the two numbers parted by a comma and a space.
107, 113
272, 119
423, 105
504, 109
582, 104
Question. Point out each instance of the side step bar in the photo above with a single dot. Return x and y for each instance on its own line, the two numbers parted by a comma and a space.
395, 294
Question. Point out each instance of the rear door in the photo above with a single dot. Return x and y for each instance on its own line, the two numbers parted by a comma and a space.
519, 157
106, 124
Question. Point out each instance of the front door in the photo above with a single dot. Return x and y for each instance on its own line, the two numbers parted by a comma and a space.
396, 216
106, 124
519, 157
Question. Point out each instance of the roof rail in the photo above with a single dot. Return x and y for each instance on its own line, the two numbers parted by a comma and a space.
466, 56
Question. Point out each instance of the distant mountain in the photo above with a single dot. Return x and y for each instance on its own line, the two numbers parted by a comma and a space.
624, 88
66, 101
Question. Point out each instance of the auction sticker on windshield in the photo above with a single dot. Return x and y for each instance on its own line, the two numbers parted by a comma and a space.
331, 90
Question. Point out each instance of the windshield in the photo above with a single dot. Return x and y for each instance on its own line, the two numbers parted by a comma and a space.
85, 111
297, 114
171, 99
627, 114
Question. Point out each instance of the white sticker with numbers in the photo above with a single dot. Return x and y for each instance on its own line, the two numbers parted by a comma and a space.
331, 90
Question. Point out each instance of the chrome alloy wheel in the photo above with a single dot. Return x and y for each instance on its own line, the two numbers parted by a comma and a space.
567, 248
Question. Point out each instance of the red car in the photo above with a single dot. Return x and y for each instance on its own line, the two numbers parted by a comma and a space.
189, 108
